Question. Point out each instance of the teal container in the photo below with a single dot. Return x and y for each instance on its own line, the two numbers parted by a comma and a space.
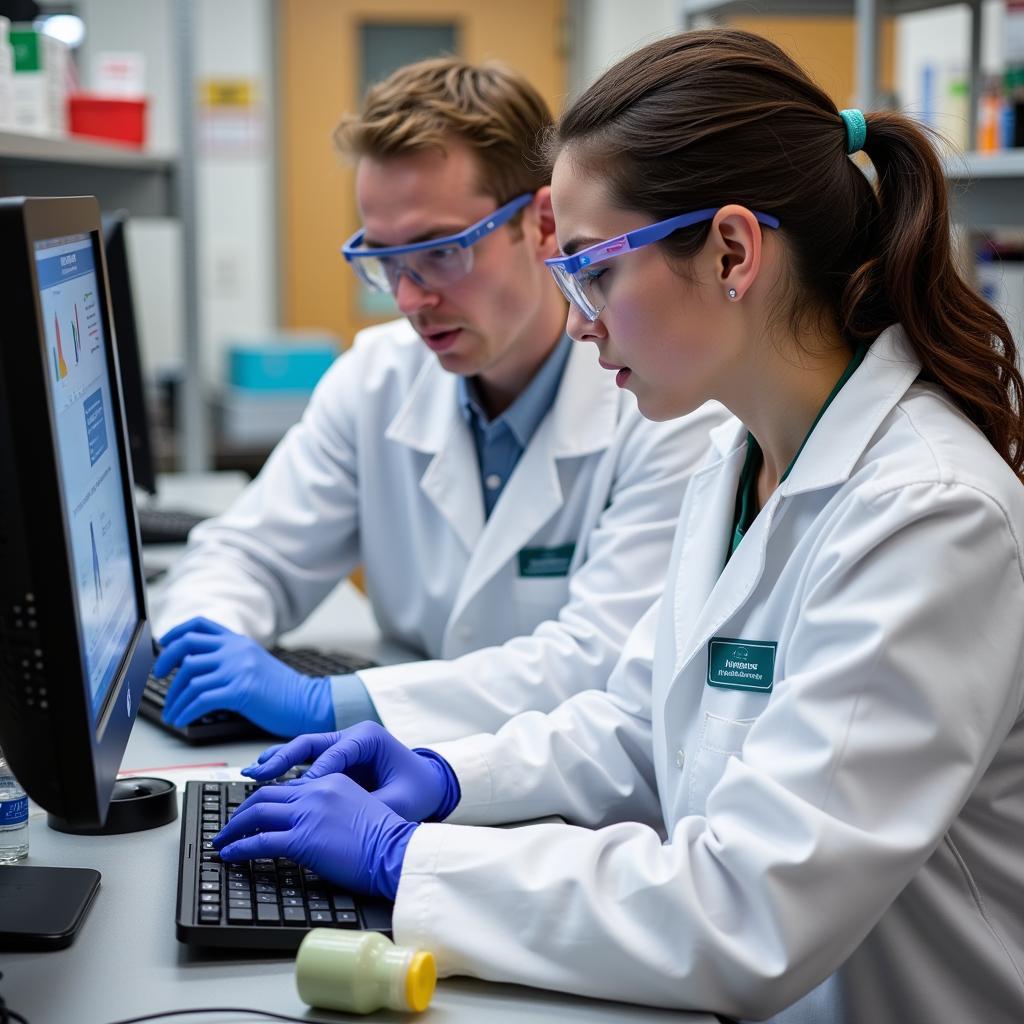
278, 367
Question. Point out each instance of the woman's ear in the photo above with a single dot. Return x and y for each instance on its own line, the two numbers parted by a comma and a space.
736, 246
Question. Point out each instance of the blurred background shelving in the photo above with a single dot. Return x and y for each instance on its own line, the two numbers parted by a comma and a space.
239, 203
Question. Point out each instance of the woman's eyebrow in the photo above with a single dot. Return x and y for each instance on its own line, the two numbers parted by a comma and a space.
575, 244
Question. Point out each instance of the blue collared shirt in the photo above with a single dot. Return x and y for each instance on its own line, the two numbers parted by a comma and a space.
499, 444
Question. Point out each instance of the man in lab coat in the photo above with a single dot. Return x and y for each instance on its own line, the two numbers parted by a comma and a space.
513, 511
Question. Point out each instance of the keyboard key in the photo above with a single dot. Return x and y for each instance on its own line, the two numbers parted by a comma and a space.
321, 917
210, 897
267, 897
294, 915
240, 901
347, 919
239, 915
267, 913
235, 792
317, 905
209, 915
209, 886
342, 901
296, 901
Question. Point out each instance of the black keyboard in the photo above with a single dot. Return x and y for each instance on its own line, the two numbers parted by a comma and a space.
227, 725
166, 526
258, 904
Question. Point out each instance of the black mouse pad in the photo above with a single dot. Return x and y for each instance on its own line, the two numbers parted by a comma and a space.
43, 908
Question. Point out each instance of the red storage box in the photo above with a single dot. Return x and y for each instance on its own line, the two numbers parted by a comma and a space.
108, 117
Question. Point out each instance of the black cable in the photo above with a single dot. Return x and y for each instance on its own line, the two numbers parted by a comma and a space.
6, 1015
233, 1010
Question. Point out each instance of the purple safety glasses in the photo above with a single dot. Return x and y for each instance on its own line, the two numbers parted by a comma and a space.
433, 264
578, 281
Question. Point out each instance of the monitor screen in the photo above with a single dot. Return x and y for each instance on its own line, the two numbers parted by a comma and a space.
92, 484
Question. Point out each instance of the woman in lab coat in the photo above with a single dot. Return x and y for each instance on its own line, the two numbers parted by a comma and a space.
804, 786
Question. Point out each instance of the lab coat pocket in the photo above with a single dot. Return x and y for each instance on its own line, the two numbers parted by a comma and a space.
720, 738
538, 600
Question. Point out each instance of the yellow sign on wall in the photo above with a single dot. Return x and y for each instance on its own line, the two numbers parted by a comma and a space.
228, 92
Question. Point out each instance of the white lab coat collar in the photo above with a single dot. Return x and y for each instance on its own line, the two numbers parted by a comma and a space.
856, 413
584, 418
426, 417
583, 413
707, 594
430, 421
582, 421
849, 423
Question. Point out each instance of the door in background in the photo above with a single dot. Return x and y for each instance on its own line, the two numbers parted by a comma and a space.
330, 52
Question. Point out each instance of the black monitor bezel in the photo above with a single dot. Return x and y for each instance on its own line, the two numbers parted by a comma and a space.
129, 349
66, 763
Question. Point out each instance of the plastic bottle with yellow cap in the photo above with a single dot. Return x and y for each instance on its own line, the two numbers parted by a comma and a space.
359, 972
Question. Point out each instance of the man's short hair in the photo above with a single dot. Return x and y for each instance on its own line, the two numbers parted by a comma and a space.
489, 107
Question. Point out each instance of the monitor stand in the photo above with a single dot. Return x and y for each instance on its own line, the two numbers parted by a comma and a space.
136, 804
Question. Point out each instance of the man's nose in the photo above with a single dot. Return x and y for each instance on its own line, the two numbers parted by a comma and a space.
411, 295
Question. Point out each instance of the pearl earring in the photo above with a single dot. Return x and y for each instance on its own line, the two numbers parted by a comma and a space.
732, 293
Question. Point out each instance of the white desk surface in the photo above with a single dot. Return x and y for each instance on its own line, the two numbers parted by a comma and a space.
126, 960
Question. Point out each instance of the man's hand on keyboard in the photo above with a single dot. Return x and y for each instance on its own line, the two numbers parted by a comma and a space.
221, 670
331, 825
417, 784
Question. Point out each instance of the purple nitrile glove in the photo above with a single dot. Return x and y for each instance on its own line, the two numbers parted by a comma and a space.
221, 670
417, 784
331, 825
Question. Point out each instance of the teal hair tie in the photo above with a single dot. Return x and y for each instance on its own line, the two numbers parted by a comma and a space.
856, 129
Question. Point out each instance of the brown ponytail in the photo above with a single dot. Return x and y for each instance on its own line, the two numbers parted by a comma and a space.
963, 343
722, 116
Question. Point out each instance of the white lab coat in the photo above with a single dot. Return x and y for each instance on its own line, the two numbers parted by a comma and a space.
852, 840
383, 471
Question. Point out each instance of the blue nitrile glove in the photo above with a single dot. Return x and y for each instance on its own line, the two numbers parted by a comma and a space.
331, 825
417, 784
221, 670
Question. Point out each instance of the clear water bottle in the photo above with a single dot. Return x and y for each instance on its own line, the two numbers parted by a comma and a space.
13, 816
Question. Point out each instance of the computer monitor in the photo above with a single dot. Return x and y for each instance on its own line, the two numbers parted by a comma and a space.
75, 643
129, 349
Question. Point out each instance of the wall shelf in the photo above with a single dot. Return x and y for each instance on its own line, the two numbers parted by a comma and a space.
987, 189
118, 176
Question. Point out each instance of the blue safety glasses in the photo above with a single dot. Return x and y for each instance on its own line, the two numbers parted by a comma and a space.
578, 281
433, 264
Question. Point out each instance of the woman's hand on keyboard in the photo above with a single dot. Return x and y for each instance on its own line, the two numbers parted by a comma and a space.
331, 825
417, 784
219, 670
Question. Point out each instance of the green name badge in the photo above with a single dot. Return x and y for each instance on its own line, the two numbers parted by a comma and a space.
546, 561
741, 664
